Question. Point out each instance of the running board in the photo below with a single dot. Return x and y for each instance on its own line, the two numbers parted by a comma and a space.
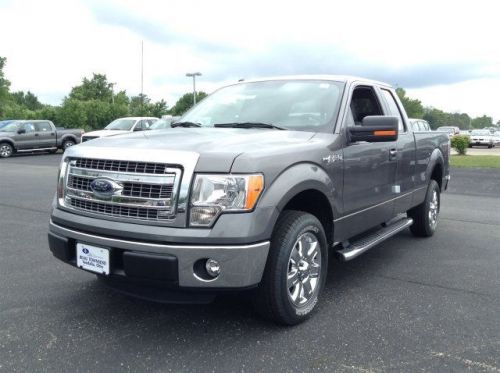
358, 247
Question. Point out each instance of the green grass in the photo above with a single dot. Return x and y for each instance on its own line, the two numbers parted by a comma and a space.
472, 161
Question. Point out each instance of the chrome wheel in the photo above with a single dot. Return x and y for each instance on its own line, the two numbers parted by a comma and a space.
304, 269
434, 209
5, 150
67, 144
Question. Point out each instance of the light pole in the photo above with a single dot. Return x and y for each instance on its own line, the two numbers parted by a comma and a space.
194, 75
112, 92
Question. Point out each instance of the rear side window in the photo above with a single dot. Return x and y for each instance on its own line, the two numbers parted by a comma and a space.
393, 108
43, 127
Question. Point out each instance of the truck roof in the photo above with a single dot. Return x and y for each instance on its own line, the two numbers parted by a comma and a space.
336, 78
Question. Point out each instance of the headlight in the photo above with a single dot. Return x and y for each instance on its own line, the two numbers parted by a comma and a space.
214, 194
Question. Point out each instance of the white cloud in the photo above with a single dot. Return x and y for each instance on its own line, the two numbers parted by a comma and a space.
435, 49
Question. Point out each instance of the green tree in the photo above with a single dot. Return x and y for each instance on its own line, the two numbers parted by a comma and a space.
413, 107
28, 100
4, 88
184, 103
141, 106
97, 88
482, 122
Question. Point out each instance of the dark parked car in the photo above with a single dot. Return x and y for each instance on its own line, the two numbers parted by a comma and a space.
254, 189
35, 135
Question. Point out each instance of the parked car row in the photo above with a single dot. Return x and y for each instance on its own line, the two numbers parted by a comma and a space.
17, 136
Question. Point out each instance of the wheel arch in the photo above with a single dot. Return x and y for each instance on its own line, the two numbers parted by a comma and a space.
435, 169
304, 187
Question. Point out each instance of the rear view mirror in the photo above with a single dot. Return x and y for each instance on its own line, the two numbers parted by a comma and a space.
376, 128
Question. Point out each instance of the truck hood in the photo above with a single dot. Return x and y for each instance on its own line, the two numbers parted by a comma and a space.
105, 133
216, 147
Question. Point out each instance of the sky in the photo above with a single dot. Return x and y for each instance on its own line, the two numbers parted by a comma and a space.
444, 53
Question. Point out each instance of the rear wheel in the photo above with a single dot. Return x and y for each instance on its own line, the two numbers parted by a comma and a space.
425, 216
6, 150
67, 143
296, 269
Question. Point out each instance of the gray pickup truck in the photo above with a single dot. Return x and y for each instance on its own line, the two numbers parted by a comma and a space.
254, 189
35, 135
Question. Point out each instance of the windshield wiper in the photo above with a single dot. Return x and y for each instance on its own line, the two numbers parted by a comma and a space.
248, 125
185, 124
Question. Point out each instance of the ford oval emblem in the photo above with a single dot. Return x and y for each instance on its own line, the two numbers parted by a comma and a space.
85, 250
104, 187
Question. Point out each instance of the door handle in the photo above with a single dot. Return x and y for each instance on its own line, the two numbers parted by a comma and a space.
36, 134
393, 153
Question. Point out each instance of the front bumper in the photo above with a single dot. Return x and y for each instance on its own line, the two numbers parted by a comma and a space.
242, 266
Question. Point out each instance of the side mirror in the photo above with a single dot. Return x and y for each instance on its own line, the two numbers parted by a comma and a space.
138, 128
20, 131
376, 128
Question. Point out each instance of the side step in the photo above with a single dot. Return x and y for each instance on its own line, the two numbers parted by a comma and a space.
365, 243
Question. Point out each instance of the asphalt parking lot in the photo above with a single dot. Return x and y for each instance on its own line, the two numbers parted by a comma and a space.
407, 305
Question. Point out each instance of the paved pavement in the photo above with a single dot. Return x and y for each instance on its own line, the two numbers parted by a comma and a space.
407, 305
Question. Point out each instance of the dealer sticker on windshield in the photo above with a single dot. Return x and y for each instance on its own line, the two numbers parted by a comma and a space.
92, 258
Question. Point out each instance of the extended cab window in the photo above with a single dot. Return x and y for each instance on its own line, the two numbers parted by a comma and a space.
393, 108
364, 102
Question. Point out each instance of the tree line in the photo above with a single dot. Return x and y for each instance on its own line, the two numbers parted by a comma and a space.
438, 118
93, 104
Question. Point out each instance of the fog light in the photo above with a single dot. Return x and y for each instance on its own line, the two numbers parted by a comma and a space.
213, 267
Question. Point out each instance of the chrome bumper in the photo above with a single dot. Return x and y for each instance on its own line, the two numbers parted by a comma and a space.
241, 265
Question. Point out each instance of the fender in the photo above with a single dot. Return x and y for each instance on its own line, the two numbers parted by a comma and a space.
10, 141
298, 178
435, 159
72, 137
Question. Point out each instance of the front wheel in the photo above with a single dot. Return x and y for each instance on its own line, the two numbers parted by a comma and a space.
295, 271
425, 216
6, 150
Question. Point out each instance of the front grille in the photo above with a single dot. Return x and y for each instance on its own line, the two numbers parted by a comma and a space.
113, 210
129, 189
122, 166
141, 190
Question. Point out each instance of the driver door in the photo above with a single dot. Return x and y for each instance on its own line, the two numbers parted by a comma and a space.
369, 169
26, 139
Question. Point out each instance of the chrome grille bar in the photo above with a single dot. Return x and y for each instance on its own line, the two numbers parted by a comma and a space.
142, 191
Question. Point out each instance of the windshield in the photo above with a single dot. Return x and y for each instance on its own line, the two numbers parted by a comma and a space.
304, 105
480, 133
161, 124
121, 124
8, 127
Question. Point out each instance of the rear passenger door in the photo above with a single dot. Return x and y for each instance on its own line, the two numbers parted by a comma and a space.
405, 154
46, 135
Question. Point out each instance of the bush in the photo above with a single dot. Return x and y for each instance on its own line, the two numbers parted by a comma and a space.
460, 143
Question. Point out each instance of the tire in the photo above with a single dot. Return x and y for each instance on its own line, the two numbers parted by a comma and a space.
490, 146
6, 150
53, 151
287, 262
425, 216
67, 143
